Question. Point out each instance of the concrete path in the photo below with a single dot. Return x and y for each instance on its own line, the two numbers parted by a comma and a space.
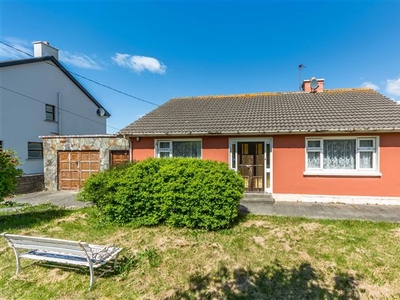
324, 210
65, 199
309, 210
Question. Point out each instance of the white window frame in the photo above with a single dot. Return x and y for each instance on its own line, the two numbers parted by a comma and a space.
358, 171
235, 141
158, 150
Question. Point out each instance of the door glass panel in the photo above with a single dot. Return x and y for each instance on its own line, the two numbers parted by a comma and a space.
233, 156
251, 164
268, 151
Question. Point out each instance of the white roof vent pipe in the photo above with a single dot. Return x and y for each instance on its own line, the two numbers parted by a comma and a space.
42, 49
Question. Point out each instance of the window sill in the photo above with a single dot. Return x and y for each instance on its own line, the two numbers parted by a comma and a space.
50, 121
343, 174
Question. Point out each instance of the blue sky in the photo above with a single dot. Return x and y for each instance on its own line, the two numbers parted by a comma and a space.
158, 50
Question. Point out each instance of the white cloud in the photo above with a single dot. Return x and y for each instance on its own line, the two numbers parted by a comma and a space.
9, 53
26, 51
393, 86
139, 63
80, 60
370, 85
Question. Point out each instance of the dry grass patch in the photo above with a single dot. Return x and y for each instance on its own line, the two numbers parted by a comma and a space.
259, 258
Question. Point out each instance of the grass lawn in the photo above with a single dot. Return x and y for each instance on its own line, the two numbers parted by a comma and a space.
259, 258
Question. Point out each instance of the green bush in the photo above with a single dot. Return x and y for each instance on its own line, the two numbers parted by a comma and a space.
181, 192
8, 172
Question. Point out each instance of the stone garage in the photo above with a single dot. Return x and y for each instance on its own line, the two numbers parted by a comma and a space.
70, 160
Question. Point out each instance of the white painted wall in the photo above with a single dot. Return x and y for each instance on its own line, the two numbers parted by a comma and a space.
22, 119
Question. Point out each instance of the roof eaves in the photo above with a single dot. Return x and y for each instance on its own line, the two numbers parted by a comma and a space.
272, 132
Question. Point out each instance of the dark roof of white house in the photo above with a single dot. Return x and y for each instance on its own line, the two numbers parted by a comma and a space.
53, 60
340, 110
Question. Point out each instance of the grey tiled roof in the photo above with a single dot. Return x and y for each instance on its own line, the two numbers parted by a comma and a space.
327, 111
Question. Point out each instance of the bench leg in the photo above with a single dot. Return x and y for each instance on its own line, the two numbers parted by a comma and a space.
91, 277
17, 259
115, 260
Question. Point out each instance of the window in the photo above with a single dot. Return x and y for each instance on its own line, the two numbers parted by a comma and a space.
1, 146
179, 149
35, 150
341, 154
50, 112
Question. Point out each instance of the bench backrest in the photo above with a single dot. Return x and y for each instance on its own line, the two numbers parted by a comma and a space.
75, 248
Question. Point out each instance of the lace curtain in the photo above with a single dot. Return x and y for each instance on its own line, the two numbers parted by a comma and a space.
186, 149
339, 154
366, 160
313, 160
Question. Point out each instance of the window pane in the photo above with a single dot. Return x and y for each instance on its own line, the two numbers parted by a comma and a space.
233, 156
34, 146
165, 145
34, 154
50, 112
366, 143
35, 150
49, 116
314, 144
313, 160
186, 149
164, 154
366, 160
339, 154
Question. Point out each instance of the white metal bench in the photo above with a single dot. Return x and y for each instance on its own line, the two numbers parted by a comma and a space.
75, 253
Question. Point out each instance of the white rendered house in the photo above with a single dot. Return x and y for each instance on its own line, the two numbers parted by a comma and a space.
39, 97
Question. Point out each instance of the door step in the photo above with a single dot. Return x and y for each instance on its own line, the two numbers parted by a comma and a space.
258, 197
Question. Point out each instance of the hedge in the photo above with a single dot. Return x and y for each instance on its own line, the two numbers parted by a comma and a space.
181, 192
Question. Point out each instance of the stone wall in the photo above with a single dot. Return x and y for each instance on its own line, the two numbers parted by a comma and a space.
53, 144
30, 183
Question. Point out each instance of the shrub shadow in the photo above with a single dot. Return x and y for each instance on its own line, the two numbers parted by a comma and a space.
243, 210
27, 219
272, 282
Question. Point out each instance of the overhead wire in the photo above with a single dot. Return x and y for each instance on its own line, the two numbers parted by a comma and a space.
88, 79
62, 109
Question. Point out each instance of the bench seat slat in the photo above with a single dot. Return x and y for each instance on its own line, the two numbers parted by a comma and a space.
56, 257
53, 248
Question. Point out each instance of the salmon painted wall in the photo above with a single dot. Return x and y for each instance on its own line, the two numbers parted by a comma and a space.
142, 149
216, 148
289, 165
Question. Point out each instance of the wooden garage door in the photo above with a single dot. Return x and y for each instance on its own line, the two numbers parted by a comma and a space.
119, 157
75, 167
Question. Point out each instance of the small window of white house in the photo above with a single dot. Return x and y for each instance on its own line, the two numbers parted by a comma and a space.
179, 149
35, 150
341, 154
50, 112
1, 146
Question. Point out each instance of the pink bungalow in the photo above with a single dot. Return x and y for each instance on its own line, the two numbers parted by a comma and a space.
316, 145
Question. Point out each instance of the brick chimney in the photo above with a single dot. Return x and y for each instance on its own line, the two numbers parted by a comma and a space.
42, 49
306, 86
